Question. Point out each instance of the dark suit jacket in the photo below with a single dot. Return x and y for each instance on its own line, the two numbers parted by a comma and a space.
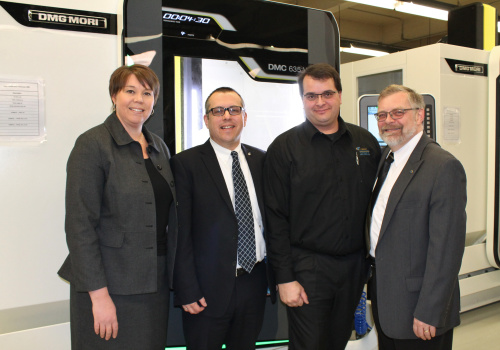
110, 212
208, 230
421, 243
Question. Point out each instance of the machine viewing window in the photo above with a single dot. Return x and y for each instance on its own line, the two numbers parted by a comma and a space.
272, 108
375, 83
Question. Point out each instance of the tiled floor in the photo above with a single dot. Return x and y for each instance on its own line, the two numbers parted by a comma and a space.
479, 330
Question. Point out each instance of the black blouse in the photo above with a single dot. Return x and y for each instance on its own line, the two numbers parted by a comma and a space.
163, 200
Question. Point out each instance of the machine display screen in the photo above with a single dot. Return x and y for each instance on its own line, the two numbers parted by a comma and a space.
183, 18
373, 125
195, 26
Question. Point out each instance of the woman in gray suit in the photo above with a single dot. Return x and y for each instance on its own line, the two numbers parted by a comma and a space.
121, 224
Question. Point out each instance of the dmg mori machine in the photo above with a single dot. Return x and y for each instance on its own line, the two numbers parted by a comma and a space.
462, 116
60, 55
241, 44
256, 47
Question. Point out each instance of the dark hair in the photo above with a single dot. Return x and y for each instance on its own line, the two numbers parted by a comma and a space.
416, 100
144, 74
223, 89
320, 71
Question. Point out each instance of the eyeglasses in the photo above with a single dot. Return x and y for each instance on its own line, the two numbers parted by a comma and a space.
220, 111
326, 95
395, 114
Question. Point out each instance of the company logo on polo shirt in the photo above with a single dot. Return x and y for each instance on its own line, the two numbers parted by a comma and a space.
469, 68
67, 19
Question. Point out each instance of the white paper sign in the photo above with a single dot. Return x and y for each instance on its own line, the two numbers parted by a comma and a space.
451, 124
21, 110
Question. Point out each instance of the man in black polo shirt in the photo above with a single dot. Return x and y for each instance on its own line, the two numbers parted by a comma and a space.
318, 180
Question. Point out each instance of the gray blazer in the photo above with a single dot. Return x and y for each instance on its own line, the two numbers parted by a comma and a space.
110, 212
421, 243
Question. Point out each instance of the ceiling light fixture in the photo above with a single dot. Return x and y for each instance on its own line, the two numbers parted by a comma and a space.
407, 7
360, 51
420, 10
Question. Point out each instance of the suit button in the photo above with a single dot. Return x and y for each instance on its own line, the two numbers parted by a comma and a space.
234, 264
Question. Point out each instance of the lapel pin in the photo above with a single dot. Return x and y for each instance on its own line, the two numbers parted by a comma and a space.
249, 153
411, 171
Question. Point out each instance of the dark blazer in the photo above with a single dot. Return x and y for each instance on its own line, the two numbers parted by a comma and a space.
110, 212
208, 229
421, 243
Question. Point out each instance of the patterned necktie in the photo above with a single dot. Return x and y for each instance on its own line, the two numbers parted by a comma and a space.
244, 215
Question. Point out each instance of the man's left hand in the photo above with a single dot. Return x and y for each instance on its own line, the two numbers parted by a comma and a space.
423, 330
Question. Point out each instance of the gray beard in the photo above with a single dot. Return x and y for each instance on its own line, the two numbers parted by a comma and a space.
406, 135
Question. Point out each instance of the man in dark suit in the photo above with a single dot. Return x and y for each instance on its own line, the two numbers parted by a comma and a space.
221, 277
416, 235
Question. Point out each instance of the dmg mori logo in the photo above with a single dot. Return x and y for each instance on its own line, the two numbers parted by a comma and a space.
469, 68
67, 19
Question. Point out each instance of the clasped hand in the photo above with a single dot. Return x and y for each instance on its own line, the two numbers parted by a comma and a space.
292, 294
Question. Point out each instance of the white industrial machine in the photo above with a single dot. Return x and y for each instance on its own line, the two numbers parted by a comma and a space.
54, 68
463, 82
57, 57
54, 72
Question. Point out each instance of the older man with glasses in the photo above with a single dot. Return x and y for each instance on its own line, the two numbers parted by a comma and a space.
415, 230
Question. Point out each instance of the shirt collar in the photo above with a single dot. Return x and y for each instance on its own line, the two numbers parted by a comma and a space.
311, 130
222, 151
404, 152
121, 136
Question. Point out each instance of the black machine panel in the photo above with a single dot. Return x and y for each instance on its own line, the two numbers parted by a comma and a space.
272, 43
496, 228
278, 37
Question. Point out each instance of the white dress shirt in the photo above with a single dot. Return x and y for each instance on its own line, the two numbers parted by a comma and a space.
401, 157
226, 165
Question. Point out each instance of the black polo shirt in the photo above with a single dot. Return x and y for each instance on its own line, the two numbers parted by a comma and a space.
317, 189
